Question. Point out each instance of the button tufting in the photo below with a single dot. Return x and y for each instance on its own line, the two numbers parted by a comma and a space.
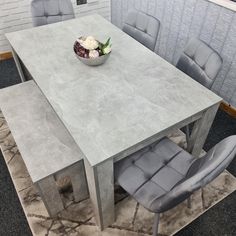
147, 176
165, 162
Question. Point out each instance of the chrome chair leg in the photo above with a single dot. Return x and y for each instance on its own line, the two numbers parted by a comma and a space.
156, 224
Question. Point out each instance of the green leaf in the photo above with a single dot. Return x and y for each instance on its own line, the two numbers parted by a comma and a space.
107, 43
100, 46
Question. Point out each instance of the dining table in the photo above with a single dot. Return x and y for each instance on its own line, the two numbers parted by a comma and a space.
115, 109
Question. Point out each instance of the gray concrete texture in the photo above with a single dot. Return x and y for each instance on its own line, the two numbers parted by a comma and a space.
108, 109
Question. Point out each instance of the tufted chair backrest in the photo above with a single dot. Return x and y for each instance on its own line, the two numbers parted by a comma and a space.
142, 27
51, 11
201, 172
200, 62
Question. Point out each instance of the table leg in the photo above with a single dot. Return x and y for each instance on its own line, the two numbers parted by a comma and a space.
18, 65
200, 131
101, 188
50, 195
79, 182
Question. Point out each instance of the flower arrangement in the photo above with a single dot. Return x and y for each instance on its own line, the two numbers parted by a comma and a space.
89, 47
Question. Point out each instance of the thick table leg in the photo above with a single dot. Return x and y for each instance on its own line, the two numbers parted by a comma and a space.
79, 181
101, 188
18, 65
200, 131
50, 195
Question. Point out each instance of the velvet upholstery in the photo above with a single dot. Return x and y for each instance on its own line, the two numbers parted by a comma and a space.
200, 62
163, 175
142, 27
51, 11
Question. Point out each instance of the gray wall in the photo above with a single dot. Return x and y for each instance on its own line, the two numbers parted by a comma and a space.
183, 19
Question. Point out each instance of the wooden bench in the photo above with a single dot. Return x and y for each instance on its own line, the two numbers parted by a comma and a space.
45, 145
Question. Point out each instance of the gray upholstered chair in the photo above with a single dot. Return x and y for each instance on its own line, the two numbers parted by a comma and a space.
163, 175
142, 27
200, 62
51, 11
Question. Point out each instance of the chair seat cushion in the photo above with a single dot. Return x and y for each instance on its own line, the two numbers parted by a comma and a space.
153, 171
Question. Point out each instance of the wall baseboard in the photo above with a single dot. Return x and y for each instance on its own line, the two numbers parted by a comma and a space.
230, 110
5, 56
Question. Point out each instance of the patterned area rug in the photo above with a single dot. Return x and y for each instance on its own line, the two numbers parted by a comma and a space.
77, 219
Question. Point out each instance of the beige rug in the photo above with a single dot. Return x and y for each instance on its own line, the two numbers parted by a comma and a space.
131, 218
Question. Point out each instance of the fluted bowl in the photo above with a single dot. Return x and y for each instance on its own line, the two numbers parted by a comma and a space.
94, 61
79, 50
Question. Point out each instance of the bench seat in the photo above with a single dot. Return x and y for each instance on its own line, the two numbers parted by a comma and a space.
45, 145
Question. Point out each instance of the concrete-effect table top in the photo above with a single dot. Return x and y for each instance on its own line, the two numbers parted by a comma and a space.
108, 109
45, 144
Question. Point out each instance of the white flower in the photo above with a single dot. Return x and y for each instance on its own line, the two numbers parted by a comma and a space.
90, 43
93, 54
107, 50
90, 38
80, 41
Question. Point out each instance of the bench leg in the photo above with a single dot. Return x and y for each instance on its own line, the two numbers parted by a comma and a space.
79, 181
50, 195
